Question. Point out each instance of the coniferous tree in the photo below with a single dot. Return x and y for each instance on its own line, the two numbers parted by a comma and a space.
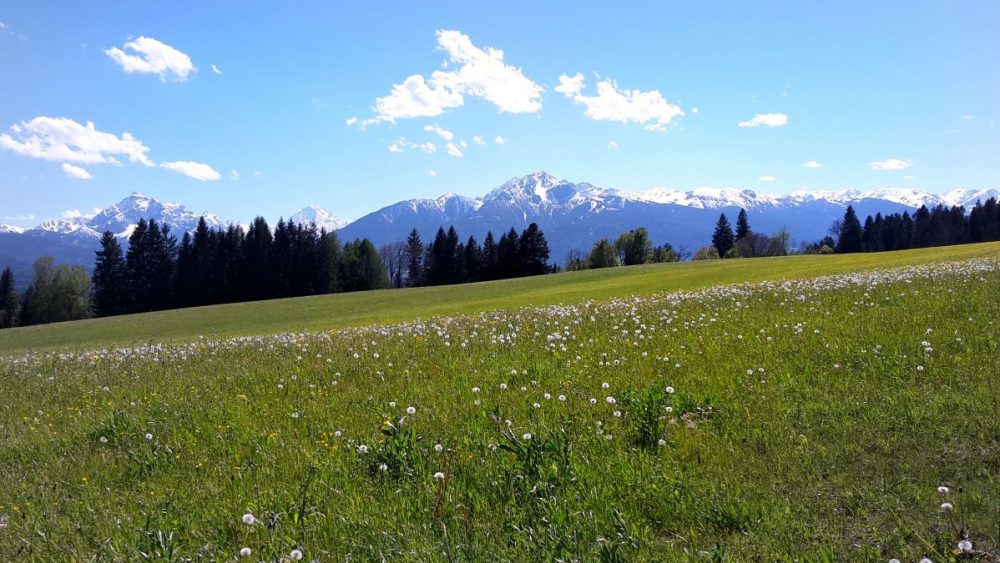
10, 301
329, 253
453, 257
723, 238
108, 279
414, 259
850, 236
473, 257
436, 260
533, 251
490, 257
742, 225
508, 263
257, 276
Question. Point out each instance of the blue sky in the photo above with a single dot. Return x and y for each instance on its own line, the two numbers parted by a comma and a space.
294, 106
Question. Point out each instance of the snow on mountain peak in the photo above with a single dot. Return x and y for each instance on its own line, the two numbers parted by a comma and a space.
321, 217
11, 229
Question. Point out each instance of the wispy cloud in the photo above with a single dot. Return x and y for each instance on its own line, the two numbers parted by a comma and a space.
146, 55
499, 140
613, 144
440, 131
196, 170
453, 150
890, 164
75, 171
811, 164
766, 179
768, 119
478, 140
216, 70
649, 109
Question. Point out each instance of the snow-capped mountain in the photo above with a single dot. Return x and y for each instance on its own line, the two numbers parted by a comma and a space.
572, 215
322, 218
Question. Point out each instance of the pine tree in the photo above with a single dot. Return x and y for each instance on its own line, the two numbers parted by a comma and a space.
490, 256
108, 279
414, 259
533, 251
742, 225
256, 278
473, 260
436, 259
453, 257
723, 238
10, 301
508, 261
329, 255
850, 236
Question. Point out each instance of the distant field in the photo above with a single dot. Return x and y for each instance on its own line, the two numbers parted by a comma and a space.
358, 309
807, 421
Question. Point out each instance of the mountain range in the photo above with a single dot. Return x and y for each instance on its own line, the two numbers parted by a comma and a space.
572, 216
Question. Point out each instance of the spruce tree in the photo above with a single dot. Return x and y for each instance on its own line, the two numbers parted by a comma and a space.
10, 301
851, 234
490, 257
742, 225
108, 279
723, 238
473, 260
414, 259
256, 278
533, 251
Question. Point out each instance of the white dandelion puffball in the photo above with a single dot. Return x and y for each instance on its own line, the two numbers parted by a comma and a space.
362, 449
527, 436
943, 490
439, 475
965, 545
947, 506
503, 386
104, 439
661, 442
475, 389
670, 389
438, 448
248, 519
245, 552
295, 555
411, 410
148, 436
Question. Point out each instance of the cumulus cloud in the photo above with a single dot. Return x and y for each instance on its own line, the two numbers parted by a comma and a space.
453, 150
613, 144
440, 131
811, 164
478, 140
768, 119
432, 172
478, 72
62, 139
195, 170
351, 121
766, 179
649, 109
397, 146
146, 55
499, 140
890, 164
75, 171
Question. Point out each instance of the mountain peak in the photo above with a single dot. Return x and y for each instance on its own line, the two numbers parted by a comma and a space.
321, 217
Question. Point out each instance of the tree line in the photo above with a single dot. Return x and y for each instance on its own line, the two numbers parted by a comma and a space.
743, 242
629, 249
210, 266
446, 260
936, 226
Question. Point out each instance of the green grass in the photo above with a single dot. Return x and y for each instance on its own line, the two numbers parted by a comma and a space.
344, 310
813, 421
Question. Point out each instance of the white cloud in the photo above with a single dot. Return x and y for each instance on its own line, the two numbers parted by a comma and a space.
77, 214
968, 117
216, 69
766, 179
351, 121
890, 164
463, 144
499, 140
234, 176
613, 145
440, 131
478, 140
811, 164
479, 73
195, 170
649, 109
909, 177
76, 171
402, 145
769, 119
146, 55
61, 138
258, 173
432, 172
453, 150
695, 110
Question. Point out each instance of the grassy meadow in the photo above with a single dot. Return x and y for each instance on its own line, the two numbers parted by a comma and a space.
645, 413
327, 312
